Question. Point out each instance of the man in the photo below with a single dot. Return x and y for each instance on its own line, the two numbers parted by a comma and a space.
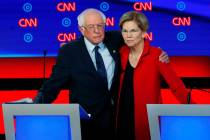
91, 67
76, 65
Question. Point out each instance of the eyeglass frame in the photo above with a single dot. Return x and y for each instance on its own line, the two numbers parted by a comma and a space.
132, 31
92, 27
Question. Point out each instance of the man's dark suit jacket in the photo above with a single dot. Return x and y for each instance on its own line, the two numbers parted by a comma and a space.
75, 67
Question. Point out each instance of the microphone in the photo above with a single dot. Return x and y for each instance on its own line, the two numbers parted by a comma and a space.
189, 96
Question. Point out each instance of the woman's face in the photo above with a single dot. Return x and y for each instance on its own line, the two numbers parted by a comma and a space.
132, 34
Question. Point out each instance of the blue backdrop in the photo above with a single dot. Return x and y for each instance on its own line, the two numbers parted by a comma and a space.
52, 23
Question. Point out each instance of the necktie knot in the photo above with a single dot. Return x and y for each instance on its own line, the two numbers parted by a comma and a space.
96, 48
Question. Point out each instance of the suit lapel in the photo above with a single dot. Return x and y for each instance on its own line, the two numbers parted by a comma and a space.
115, 56
88, 61
85, 56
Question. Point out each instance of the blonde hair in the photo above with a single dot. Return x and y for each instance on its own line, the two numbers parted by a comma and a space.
139, 18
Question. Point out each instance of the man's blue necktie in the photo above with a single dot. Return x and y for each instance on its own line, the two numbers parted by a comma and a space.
100, 65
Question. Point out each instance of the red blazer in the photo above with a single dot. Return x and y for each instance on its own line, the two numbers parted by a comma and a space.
147, 85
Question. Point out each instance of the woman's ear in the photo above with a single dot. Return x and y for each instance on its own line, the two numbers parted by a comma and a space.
144, 34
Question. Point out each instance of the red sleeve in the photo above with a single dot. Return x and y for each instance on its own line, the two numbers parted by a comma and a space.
175, 83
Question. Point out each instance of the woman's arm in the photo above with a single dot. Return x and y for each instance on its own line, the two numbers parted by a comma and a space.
175, 83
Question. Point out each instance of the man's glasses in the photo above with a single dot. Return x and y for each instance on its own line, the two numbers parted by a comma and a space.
132, 31
92, 27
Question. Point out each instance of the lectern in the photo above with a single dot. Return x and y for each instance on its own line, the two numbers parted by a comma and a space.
43, 121
179, 122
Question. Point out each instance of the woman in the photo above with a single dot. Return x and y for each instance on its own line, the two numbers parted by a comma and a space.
140, 82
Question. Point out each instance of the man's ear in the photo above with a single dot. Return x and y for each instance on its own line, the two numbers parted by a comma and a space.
81, 29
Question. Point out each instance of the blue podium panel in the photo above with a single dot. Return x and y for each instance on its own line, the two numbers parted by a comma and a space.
42, 127
179, 122
43, 121
185, 127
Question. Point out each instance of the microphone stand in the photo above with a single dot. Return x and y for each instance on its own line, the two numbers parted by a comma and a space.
44, 65
44, 70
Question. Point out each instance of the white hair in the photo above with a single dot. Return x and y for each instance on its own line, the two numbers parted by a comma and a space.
81, 16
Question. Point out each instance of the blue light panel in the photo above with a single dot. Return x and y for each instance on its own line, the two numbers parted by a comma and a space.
185, 127
42, 127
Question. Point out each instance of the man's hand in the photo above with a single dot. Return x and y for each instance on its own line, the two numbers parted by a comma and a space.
21, 101
164, 57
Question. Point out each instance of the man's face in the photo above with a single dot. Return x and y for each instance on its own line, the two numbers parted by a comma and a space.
93, 28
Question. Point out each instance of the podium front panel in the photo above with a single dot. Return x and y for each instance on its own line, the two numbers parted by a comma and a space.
42, 121
179, 122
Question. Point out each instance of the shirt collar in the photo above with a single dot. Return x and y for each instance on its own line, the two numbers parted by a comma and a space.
91, 47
